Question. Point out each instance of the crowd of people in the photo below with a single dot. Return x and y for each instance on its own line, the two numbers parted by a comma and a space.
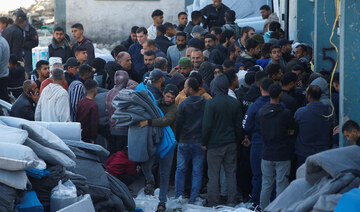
246, 109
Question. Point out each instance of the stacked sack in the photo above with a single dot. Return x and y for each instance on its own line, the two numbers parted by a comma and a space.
36, 156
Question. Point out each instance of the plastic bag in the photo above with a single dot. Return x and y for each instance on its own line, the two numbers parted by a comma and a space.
62, 195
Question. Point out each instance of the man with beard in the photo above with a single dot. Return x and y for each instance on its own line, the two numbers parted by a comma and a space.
252, 53
286, 50
175, 52
220, 51
197, 58
268, 15
246, 33
210, 42
42, 68
124, 60
288, 83
59, 46
149, 60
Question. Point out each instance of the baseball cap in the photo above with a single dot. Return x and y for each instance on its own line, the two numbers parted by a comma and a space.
156, 74
20, 14
184, 62
284, 41
199, 29
170, 88
72, 61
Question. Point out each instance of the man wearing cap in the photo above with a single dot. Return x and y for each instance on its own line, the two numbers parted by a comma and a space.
198, 32
72, 68
177, 51
161, 40
14, 35
185, 66
158, 18
286, 50
59, 46
215, 13
156, 82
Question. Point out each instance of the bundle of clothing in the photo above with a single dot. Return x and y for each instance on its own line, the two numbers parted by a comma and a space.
321, 181
34, 158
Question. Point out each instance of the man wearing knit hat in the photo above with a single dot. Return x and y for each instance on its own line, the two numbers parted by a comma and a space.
185, 66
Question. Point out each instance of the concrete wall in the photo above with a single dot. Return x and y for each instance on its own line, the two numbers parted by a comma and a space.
111, 21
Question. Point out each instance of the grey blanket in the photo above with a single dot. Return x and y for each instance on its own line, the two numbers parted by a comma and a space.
132, 107
328, 175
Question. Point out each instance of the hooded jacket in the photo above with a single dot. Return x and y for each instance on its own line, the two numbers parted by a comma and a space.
222, 117
250, 97
275, 121
218, 54
64, 51
14, 35
314, 129
324, 86
247, 60
53, 105
188, 123
121, 79
251, 120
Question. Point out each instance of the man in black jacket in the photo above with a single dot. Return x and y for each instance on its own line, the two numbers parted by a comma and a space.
288, 83
221, 131
161, 40
31, 41
215, 13
252, 53
14, 35
78, 33
131, 39
277, 126
188, 132
220, 51
59, 46
124, 60
24, 106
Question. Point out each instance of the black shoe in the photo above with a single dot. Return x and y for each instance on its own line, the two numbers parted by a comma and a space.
223, 200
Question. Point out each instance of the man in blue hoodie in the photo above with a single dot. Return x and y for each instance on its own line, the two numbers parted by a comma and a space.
251, 126
188, 132
221, 130
314, 122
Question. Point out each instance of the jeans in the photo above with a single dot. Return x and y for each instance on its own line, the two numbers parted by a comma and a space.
255, 162
272, 171
187, 152
225, 155
165, 168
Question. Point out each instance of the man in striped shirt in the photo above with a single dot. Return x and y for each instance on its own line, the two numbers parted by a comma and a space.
77, 90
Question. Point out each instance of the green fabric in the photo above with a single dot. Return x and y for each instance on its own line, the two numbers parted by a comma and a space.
222, 122
169, 111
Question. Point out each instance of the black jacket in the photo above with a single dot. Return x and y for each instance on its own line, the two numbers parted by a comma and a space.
14, 35
155, 91
163, 43
188, 123
214, 16
88, 44
218, 54
31, 38
55, 50
289, 101
247, 60
275, 121
132, 74
189, 27
250, 97
128, 42
24, 107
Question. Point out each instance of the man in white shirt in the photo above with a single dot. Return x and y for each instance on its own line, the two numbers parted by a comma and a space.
53, 105
158, 18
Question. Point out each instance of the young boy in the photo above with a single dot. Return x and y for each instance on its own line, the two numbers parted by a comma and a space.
87, 112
